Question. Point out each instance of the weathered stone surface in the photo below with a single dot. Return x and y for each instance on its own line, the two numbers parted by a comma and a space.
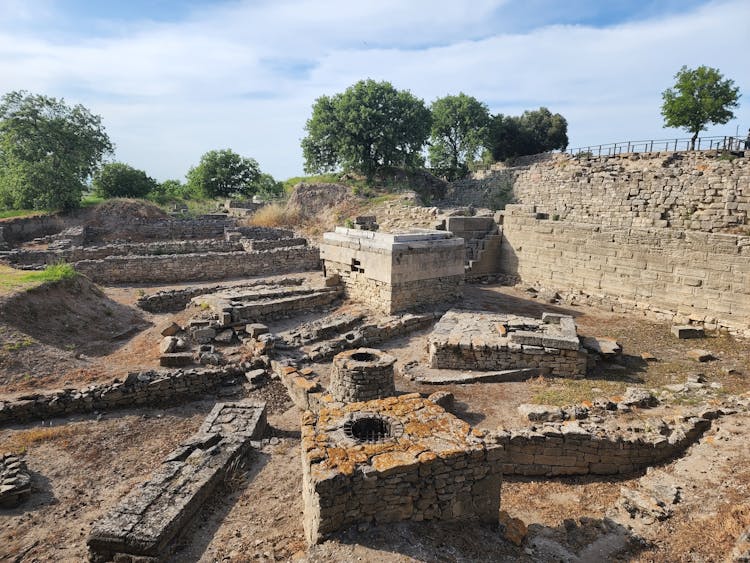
688, 331
169, 328
176, 359
154, 513
167, 345
637, 397
700, 355
225, 336
513, 529
203, 335
444, 399
430, 465
472, 340
541, 413
254, 330
362, 374
15, 481
608, 348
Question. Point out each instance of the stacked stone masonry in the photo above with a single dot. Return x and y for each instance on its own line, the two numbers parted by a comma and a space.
429, 466
666, 273
395, 272
476, 340
362, 374
177, 299
220, 265
141, 526
700, 190
138, 388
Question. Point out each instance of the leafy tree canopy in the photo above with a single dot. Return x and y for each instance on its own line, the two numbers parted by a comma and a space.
224, 173
368, 126
699, 97
48, 150
459, 130
531, 133
116, 179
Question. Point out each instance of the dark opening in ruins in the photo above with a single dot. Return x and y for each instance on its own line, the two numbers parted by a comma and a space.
363, 357
368, 429
357, 266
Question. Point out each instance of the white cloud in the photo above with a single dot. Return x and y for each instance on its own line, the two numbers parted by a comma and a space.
245, 75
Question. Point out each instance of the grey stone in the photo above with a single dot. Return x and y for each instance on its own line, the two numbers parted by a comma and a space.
688, 331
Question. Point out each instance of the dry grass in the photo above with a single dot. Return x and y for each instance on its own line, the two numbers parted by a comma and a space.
273, 215
20, 442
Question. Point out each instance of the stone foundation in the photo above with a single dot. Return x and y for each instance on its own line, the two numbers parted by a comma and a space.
395, 272
144, 522
475, 340
363, 374
400, 458
195, 267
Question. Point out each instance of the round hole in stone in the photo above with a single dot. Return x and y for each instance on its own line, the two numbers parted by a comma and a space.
363, 357
368, 429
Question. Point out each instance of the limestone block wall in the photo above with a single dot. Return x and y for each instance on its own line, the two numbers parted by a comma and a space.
667, 273
395, 272
78, 253
700, 190
219, 265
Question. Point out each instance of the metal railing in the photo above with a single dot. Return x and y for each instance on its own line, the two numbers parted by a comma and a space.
725, 143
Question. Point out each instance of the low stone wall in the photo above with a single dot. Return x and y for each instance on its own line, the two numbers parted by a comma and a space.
141, 526
177, 299
429, 466
78, 253
580, 448
665, 273
21, 229
176, 268
138, 388
486, 341
250, 244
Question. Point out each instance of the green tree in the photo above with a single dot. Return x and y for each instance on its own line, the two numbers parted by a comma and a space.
533, 132
48, 151
370, 125
224, 173
699, 97
116, 179
459, 130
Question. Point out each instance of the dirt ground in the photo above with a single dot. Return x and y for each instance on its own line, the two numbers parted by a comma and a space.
83, 465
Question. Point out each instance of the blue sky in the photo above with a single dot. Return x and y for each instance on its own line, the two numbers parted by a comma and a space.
173, 79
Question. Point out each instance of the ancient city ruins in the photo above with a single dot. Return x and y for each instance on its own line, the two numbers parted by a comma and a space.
564, 379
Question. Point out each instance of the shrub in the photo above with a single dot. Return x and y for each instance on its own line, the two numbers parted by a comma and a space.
116, 179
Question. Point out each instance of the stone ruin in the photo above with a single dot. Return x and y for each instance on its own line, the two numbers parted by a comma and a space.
477, 340
394, 459
395, 272
362, 375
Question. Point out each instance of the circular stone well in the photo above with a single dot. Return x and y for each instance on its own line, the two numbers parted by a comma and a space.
363, 374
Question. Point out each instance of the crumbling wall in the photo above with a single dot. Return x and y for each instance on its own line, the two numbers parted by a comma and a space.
138, 388
667, 273
194, 267
694, 190
437, 470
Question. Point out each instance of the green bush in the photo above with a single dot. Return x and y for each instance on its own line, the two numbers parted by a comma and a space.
117, 179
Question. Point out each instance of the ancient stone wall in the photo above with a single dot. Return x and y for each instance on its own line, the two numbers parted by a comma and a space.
430, 466
194, 267
147, 519
574, 448
666, 273
395, 272
138, 388
363, 374
20, 229
701, 190
78, 253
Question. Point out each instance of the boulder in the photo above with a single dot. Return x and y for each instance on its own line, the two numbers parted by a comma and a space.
254, 330
167, 345
169, 328
541, 413
637, 397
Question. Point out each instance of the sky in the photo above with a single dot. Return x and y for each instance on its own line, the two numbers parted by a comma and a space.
173, 79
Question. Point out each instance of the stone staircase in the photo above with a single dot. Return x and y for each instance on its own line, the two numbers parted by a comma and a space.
483, 238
